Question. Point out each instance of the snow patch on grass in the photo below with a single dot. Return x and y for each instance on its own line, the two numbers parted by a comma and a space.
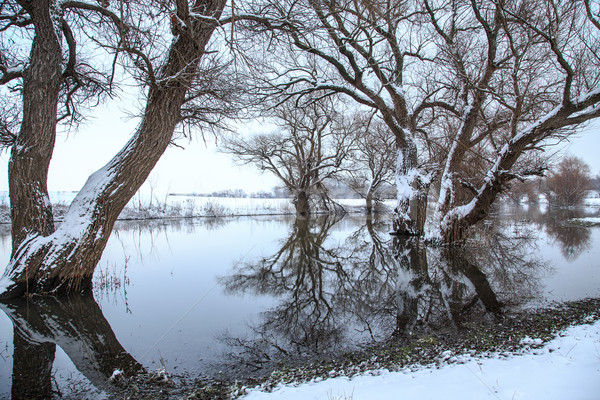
567, 367
586, 221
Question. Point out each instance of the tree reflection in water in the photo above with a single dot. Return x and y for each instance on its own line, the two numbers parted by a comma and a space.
300, 272
572, 239
77, 325
336, 295
337, 284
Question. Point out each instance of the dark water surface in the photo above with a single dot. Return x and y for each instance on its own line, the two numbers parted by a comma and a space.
232, 297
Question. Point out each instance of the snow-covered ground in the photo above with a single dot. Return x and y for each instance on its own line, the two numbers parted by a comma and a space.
587, 221
145, 206
175, 206
592, 201
567, 367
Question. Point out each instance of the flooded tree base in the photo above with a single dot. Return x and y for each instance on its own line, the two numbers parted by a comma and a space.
503, 335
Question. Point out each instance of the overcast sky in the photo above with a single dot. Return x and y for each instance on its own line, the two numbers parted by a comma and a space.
196, 169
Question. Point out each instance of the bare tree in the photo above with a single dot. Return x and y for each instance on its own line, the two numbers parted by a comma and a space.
309, 148
525, 76
371, 163
568, 185
169, 67
595, 182
471, 89
520, 190
364, 50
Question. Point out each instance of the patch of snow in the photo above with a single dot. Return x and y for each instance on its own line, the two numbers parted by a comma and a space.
567, 367
587, 221
5, 282
527, 341
585, 96
115, 375
56, 16
592, 201
15, 70
454, 214
404, 189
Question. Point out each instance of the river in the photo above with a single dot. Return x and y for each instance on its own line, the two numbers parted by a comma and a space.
238, 296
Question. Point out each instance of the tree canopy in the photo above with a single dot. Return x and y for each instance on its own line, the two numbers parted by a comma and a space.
471, 90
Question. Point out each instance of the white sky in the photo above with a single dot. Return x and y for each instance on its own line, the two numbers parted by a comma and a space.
198, 168
587, 146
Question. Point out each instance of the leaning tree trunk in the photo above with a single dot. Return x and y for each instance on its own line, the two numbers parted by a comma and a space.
412, 187
458, 220
65, 259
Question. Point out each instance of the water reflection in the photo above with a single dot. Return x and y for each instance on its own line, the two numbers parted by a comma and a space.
300, 272
339, 294
77, 326
300, 289
572, 239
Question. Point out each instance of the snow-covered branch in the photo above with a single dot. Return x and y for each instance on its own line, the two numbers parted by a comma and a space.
10, 73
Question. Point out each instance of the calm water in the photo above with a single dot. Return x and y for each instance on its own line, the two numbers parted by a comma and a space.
233, 297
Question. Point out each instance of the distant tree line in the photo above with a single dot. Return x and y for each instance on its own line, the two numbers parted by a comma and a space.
233, 193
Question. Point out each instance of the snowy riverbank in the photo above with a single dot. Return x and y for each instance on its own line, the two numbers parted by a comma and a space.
143, 207
567, 367
180, 206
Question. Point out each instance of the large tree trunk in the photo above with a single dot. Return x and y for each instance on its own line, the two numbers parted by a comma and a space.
369, 202
412, 188
31, 212
457, 221
66, 258
302, 203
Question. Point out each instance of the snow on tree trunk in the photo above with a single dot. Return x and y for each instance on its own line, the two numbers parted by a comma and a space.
31, 211
456, 222
412, 187
64, 259
446, 197
369, 201
302, 203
